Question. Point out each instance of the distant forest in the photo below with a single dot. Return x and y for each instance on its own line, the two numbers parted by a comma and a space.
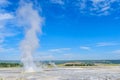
57, 62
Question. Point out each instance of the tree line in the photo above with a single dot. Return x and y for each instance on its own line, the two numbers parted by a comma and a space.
10, 64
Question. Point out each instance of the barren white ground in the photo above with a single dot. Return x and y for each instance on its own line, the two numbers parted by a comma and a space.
109, 73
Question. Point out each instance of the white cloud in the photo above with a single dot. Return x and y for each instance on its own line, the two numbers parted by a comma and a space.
116, 51
97, 7
61, 2
81, 4
44, 57
5, 19
9, 53
59, 50
93, 7
85, 48
4, 3
105, 8
1, 40
101, 6
6, 33
5, 16
7, 50
68, 55
106, 44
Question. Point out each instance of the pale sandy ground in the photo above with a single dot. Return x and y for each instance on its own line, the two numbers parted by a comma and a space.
107, 73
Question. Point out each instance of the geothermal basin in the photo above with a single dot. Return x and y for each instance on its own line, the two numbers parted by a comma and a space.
110, 73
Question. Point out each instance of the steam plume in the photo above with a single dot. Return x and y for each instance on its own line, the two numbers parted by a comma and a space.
31, 22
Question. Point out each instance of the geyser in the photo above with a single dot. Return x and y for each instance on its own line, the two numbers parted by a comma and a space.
31, 22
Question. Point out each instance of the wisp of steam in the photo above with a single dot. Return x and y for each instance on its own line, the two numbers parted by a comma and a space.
31, 22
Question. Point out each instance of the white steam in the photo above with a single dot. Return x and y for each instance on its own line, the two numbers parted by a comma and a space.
31, 21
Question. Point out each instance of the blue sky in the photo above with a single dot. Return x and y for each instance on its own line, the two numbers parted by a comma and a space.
72, 29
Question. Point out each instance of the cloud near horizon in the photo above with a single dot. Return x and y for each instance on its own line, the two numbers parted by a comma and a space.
116, 51
106, 44
85, 48
59, 50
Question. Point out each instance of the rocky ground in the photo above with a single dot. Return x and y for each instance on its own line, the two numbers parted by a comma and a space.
112, 73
